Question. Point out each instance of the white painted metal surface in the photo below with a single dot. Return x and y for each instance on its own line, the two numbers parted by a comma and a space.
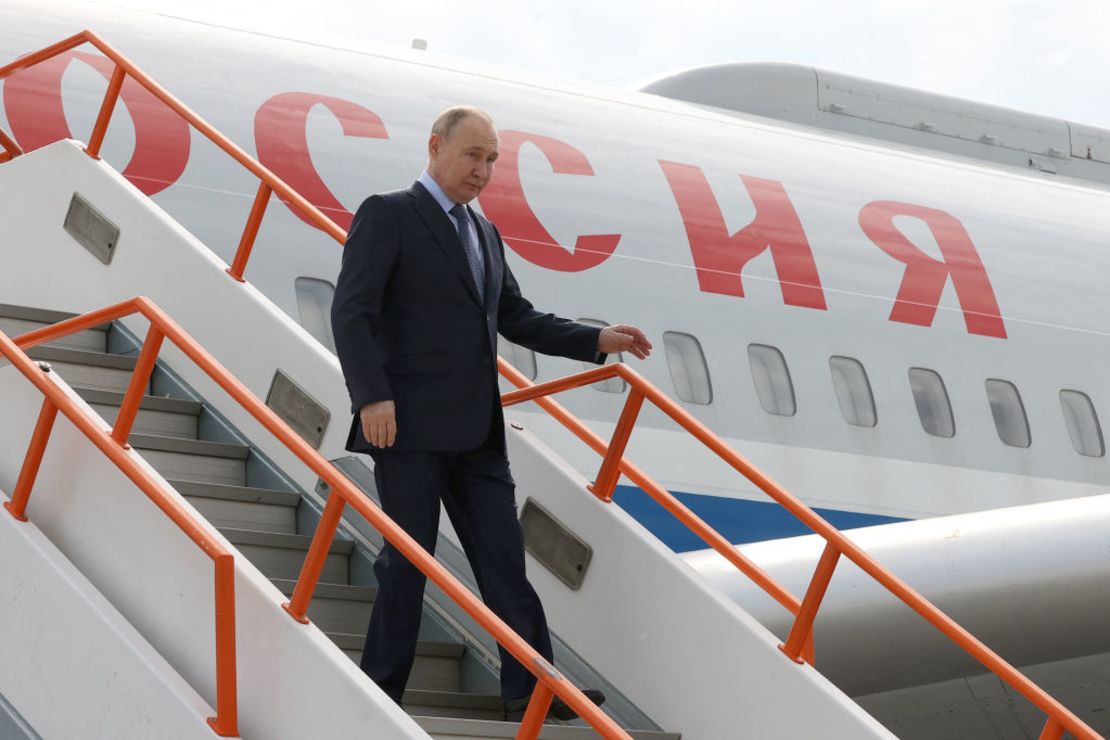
869, 109
65, 646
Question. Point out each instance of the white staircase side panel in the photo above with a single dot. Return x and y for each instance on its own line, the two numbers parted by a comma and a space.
293, 681
676, 647
65, 645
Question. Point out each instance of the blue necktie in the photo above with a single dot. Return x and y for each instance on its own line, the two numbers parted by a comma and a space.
473, 255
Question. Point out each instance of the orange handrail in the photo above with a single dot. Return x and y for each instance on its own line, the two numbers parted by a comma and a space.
342, 492
226, 722
1059, 718
11, 149
270, 183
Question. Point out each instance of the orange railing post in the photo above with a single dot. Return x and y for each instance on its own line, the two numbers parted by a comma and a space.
106, 108
798, 640
31, 462
1052, 730
536, 713
610, 473
297, 606
11, 149
226, 721
250, 232
136, 389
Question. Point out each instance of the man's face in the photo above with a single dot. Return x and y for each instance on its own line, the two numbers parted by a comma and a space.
462, 164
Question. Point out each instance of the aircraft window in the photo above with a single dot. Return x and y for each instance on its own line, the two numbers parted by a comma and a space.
931, 398
612, 385
1008, 412
314, 306
522, 358
1082, 423
689, 373
772, 380
853, 391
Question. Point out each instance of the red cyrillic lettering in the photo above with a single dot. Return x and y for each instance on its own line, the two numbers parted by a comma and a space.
281, 136
720, 258
925, 277
504, 203
33, 100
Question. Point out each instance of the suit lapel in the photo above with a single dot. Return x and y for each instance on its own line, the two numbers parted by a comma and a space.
446, 236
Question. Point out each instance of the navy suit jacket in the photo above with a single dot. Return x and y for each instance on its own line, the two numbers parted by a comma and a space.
410, 326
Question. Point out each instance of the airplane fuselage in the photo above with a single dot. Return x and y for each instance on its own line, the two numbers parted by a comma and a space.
753, 253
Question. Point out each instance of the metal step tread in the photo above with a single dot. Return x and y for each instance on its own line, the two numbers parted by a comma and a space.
330, 590
43, 315
452, 700
226, 492
149, 403
85, 357
447, 726
284, 541
189, 446
424, 648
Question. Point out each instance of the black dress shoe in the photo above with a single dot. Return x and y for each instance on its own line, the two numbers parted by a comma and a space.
515, 708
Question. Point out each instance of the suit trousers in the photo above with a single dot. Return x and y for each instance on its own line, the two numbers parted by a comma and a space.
477, 491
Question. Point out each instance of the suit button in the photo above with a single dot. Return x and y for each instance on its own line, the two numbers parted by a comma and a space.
485, 360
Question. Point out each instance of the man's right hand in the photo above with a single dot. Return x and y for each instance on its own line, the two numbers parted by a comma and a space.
379, 423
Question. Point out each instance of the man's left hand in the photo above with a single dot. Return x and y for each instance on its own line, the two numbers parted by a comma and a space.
624, 338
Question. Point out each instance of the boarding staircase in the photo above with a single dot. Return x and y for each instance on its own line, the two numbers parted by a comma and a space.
451, 692
691, 662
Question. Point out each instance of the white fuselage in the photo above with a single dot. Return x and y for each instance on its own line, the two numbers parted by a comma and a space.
734, 230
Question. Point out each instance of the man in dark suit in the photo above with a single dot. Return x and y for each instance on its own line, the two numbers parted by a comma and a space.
422, 294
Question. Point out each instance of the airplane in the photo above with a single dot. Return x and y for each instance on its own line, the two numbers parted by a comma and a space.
892, 330
887, 299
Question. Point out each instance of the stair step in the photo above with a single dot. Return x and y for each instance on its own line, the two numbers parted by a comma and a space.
86, 368
167, 417
336, 608
16, 320
453, 704
194, 460
153, 403
436, 667
282, 555
239, 507
448, 728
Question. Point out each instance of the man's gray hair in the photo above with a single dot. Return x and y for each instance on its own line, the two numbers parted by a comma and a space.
447, 121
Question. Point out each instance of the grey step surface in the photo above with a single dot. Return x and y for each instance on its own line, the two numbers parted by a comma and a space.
436, 667
336, 607
194, 460
447, 728
168, 417
239, 507
16, 320
452, 704
282, 555
88, 369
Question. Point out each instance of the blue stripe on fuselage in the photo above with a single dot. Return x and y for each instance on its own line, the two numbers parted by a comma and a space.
739, 521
